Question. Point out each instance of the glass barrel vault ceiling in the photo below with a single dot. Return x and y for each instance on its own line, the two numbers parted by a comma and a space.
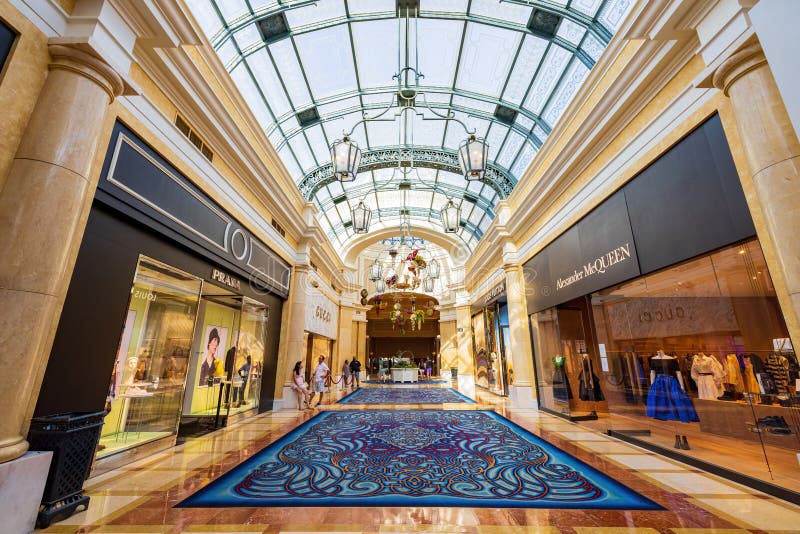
325, 62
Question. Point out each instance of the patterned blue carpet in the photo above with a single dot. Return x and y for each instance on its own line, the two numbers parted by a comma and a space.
415, 458
404, 395
389, 382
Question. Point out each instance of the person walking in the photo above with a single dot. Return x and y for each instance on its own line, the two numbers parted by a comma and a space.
428, 368
345, 376
355, 368
321, 374
300, 387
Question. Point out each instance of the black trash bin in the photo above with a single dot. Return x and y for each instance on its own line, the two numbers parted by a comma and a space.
454, 373
73, 438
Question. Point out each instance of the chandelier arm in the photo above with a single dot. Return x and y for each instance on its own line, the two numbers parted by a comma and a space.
449, 116
377, 117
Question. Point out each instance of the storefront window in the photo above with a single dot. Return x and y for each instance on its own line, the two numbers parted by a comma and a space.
697, 357
228, 353
149, 372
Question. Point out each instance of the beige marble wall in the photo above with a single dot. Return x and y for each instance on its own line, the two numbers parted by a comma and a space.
20, 83
448, 330
292, 344
772, 151
43, 208
466, 363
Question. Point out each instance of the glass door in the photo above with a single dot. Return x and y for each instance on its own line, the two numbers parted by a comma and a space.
248, 365
144, 401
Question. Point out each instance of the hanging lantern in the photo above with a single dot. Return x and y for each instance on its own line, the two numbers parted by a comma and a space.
427, 285
450, 216
346, 157
472, 155
361, 215
433, 269
380, 286
376, 271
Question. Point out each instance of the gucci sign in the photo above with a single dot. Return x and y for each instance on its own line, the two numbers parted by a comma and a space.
322, 314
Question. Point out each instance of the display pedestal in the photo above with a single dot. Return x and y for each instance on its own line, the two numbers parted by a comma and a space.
522, 397
401, 374
21, 488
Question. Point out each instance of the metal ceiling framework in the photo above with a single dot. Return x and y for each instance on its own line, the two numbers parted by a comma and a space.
311, 68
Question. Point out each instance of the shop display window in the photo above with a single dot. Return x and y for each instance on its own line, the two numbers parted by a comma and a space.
144, 400
697, 357
228, 352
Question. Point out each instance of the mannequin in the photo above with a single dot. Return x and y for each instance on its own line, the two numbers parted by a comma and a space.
561, 389
707, 373
666, 399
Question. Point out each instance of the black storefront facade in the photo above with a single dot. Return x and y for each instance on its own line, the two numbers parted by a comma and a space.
172, 318
654, 318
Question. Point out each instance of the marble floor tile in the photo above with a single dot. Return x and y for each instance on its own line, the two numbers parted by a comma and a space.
582, 436
607, 447
100, 507
752, 512
645, 462
697, 484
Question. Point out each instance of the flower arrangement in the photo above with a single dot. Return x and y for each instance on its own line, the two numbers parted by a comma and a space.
417, 319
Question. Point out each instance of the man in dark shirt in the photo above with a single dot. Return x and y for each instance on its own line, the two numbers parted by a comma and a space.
355, 368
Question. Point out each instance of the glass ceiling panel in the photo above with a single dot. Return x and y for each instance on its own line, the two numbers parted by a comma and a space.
286, 62
439, 45
327, 59
531, 54
363, 7
448, 6
269, 81
339, 57
319, 10
376, 51
513, 13
486, 59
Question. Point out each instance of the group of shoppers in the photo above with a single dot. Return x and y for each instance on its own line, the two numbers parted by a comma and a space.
320, 380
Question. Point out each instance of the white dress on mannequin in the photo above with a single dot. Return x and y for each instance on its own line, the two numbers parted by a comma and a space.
707, 373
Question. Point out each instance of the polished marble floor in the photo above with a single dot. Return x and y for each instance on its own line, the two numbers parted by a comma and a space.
140, 497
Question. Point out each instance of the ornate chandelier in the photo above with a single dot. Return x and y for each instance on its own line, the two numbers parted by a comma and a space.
411, 102
404, 266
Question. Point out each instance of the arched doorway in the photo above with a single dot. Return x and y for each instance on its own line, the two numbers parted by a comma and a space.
403, 325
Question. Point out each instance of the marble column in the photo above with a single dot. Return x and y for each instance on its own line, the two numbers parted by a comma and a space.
293, 345
773, 154
522, 394
466, 364
43, 211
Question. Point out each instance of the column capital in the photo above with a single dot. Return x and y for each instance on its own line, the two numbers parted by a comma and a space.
72, 58
745, 60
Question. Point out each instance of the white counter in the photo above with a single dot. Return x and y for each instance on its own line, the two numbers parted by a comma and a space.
400, 374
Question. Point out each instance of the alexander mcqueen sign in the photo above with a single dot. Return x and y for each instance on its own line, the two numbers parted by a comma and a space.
599, 265
597, 252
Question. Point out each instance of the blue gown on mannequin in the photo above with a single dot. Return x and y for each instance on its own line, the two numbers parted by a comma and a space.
665, 399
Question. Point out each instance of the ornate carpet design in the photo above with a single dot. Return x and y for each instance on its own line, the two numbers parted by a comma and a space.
404, 395
415, 458
389, 382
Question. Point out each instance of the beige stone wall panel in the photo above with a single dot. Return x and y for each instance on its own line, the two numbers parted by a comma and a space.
20, 83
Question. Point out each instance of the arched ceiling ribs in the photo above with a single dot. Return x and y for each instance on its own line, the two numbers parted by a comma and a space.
434, 158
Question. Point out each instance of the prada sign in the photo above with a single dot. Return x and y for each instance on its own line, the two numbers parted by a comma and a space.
599, 251
225, 278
